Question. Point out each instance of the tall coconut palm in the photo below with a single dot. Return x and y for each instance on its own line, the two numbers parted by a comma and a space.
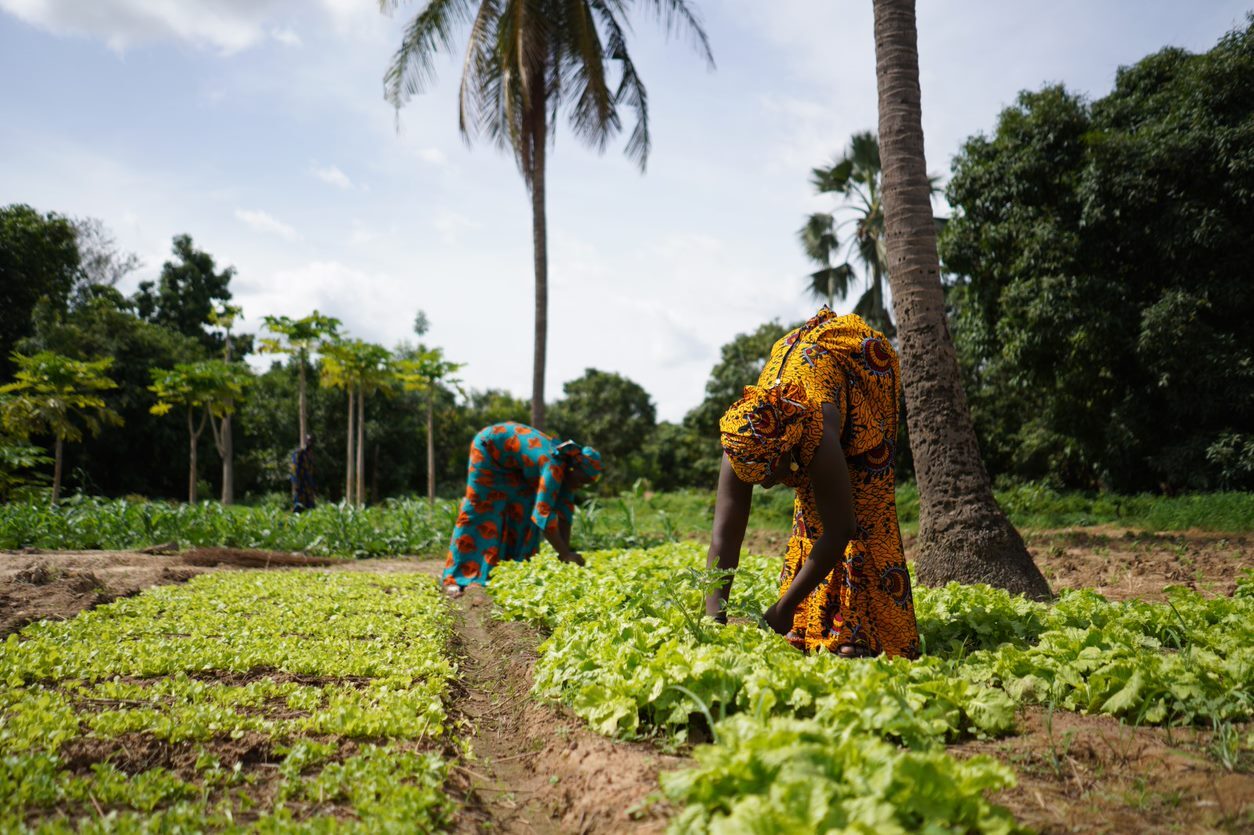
525, 60
963, 534
856, 176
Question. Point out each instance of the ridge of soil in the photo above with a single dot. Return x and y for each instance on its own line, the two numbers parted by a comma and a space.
536, 767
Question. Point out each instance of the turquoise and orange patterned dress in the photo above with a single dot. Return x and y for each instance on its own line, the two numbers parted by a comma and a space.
514, 492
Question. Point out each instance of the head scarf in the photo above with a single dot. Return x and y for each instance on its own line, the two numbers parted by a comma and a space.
763, 425
586, 459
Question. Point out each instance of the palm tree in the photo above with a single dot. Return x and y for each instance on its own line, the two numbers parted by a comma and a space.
210, 390
963, 534
524, 61
55, 395
427, 371
360, 368
299, 338
856, 177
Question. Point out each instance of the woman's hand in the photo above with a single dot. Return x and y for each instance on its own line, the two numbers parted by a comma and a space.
779, 623
571, 556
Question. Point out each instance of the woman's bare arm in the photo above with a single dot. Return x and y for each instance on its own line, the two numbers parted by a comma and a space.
833, 493
731, 515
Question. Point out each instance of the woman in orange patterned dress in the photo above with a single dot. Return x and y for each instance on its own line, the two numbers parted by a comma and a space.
823, 420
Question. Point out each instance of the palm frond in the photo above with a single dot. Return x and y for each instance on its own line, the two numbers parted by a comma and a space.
431, 31
818, 238
676, 14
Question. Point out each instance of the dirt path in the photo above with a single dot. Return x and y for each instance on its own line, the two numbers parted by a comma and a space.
536, 767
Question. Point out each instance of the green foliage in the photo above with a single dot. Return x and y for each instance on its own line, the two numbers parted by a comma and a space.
16, 458
611, 413
1102, 322
299, 337
346, 679
815, 742
396, 527
215, 386
186, 294
39, 260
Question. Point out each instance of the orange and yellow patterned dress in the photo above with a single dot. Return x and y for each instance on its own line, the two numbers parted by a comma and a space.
866, 601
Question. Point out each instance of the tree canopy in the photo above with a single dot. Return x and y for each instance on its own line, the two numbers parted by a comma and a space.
1102, 248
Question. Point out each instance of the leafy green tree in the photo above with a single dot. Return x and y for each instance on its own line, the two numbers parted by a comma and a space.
525, 62
102, 324
963, 534
55, 395
361, 369
1104, 319
101, 262
38, 260
186, 293
425, 372
300, 339
611, 413
854, 177
209, 390
17, 456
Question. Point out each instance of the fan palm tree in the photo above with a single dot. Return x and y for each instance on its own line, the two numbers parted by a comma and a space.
963, 534
856, 177
524, 61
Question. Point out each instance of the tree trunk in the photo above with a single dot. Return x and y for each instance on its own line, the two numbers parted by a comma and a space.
304, 420
361, 447
963, 534
348, 465
58, 457
193, 434
431, 446
224, 441
540, 244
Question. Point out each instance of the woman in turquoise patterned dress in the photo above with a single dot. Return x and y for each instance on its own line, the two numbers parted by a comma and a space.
520, 486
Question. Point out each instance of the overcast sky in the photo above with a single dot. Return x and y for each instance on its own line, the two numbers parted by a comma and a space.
259, 127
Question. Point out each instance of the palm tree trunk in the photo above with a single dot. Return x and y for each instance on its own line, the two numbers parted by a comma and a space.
431, 446
348, 465
963, 534
58, 456
228, 462
540, 244
304, 421
193, 440
361, 446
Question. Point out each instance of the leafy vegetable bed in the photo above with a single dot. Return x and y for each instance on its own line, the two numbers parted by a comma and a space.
258, 701
396, 527
819, 743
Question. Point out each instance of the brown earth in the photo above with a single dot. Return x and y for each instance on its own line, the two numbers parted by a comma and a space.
536, 768
1093, 774
56, 585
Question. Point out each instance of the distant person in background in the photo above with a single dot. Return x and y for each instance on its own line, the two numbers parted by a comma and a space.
304, 487
823, 420
520, 486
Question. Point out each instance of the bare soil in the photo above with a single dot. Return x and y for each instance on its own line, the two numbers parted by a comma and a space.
1093, 774
56, 585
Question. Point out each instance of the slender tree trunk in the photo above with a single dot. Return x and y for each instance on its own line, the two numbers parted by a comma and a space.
193, 434
963, 534
361, 446
540, 244
58, 455
348, 465
224, 442
431, 446
304, 420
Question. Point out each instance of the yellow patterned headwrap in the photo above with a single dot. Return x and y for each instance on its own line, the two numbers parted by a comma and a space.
763, 425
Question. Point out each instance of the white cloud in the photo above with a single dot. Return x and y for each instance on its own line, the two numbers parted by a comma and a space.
287, 37
433, 156
332, 175
226, 25
452, 225
265, 222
